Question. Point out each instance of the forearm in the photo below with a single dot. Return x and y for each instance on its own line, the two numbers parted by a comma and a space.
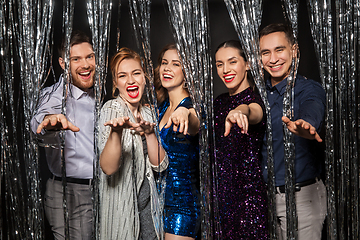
312, 112
50, 102
194, 122
39, 117
156, 152
110, 158
253, 111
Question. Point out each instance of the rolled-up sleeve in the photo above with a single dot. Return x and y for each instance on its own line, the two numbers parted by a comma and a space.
50, 102
312, 105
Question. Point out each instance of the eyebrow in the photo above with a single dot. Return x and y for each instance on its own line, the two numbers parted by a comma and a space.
276, 48
280, 47
85, 56
137, 69
164, 59
229, 59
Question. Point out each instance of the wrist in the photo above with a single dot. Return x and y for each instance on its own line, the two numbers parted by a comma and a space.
116, 132
149, 134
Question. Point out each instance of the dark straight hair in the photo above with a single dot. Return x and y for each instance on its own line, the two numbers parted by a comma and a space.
237, 45
278, 27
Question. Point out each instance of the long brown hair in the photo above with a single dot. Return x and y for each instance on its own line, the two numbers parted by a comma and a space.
122, 54
161, 92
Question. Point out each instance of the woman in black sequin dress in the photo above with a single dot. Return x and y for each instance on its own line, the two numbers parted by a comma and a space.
239, 130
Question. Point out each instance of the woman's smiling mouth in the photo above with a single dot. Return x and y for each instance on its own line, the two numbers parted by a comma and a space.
133, 91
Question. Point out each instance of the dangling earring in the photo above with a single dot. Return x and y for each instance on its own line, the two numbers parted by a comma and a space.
185, 85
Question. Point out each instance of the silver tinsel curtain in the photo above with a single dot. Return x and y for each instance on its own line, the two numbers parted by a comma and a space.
320, 15
99, 17
24, 42
246, 18
140, 18
344, 172
189, 21
25, 55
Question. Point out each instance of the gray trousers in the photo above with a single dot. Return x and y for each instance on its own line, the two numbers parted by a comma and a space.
311, 210
79, 206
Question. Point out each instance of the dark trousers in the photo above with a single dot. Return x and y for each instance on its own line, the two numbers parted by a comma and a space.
79, 207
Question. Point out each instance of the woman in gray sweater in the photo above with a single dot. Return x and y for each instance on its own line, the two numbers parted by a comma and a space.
130, 152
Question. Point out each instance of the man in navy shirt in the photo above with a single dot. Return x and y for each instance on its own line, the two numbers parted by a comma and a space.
277, 49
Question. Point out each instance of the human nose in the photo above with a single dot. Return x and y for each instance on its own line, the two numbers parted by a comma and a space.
166, 68
226, 68
86, 63
130, 80
273, 58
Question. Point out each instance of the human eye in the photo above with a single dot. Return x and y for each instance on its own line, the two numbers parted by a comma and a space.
219, 65
121, 75
265, 53
163, 62
177, 64
233, 62
91, 56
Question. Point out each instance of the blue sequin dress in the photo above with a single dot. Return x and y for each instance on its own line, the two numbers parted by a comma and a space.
182, 209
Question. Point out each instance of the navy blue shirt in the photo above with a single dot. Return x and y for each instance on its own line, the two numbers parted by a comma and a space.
309, 105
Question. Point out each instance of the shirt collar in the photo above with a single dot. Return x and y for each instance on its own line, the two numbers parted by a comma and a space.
76, 92
280, 87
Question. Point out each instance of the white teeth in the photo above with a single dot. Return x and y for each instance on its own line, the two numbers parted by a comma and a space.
229, 77
167, 76
84, 73
132, 88
276, 66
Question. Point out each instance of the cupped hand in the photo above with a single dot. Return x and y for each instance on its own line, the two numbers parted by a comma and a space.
302, 128
56, 122
236, 117
180, 120
144, 127
118, 124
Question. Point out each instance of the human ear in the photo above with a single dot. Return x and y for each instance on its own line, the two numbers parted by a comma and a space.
247, 66
62, 63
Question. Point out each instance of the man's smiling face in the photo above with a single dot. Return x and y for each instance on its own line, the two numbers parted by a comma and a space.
82, 65
276, 55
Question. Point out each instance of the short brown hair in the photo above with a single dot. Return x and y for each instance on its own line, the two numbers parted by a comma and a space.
278, 27
77, 37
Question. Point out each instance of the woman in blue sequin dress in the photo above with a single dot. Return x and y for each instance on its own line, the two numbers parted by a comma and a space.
179, 128
239, 130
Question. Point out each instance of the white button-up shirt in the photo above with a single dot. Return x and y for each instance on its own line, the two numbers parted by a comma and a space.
79, 146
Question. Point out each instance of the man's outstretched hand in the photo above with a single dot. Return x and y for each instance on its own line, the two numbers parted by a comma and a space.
301, 128
56, 122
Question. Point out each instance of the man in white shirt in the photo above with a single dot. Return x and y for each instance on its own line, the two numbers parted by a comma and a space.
79, 140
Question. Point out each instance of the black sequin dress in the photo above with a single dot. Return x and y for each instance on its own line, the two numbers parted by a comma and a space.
241, 190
